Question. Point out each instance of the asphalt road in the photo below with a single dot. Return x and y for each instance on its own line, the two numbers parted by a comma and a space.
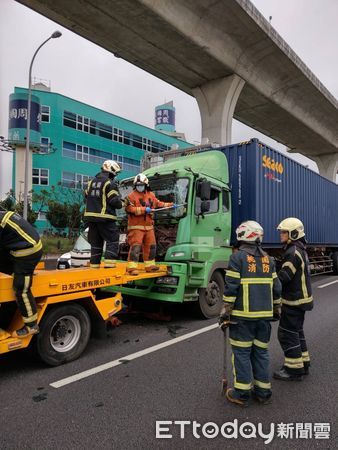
117, 408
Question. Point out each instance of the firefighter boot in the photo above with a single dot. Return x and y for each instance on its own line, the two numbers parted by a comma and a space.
109, 264
26, 331
260, 399
283, 375
233, 399
151, 266
132, 268
132, 271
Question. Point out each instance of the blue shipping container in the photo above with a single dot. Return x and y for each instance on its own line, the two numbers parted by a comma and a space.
267, 186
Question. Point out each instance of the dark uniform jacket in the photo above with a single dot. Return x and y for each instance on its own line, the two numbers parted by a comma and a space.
103, 198
17, 236
295, 277
252, 284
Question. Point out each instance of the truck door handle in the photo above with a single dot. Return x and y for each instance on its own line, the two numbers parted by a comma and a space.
217, 229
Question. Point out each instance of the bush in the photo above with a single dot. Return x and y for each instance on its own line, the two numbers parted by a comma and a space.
56, 245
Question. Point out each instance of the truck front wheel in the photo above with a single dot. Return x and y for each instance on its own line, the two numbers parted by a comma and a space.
210, 299
64, 334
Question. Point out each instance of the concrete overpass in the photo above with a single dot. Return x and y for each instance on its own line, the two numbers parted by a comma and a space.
225, 54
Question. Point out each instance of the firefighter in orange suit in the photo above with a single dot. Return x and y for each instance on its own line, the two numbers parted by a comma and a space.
140, 205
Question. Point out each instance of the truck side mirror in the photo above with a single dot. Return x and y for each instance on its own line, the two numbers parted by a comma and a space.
203, 189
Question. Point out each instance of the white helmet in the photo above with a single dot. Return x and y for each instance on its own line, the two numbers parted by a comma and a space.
293, 226
111, 166
250, 231
141, 179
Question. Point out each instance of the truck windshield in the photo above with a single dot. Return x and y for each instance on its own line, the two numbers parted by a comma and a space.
166, 189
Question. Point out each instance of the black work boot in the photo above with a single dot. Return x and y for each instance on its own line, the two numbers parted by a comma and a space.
306, 369
283, 375
260, 399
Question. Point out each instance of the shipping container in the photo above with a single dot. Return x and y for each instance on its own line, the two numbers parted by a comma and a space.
268, 186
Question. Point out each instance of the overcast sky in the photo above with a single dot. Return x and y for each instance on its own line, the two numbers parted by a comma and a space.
81, 70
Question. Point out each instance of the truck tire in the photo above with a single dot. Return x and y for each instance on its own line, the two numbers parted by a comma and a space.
210, 299
64, 334
335, 263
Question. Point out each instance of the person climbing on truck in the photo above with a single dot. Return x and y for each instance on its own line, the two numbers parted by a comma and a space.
296, 300
140, 206
252, 293
102, 201
20, 252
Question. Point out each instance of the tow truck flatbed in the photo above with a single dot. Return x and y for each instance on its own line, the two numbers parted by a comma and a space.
70, 303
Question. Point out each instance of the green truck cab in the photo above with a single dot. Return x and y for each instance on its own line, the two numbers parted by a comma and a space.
194, 239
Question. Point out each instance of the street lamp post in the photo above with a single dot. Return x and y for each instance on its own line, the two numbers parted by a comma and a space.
55, 35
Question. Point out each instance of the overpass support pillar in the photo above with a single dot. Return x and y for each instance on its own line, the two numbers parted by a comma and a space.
327, 165
217, 100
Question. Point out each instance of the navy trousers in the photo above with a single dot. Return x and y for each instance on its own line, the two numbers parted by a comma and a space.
250, 358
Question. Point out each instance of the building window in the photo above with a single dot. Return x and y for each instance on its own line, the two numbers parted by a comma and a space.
137, 141
105, 131
41, 177
45, 113
118, 135
87, 125
44, 145
68, 179
69, 150
146, 144
98, 156
82, 153
81, 181
69, 119
92, 126
156, 147
131, 165
74, 180
82, 123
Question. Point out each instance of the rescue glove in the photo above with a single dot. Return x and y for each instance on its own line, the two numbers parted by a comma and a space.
148, 210
276, 312
224, 317
175, 206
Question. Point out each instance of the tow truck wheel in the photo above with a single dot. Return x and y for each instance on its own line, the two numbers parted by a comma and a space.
64, 334
210, 300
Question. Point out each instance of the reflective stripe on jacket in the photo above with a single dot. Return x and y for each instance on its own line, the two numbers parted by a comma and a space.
136, 204
102, 199
252, 284
295, 277
17, 235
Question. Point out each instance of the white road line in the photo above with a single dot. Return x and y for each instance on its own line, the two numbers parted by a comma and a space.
327, 284
117, 362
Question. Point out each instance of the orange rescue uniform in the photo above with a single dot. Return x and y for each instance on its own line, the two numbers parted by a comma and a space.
141, 234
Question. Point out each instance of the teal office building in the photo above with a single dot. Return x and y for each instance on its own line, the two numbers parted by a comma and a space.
81, 138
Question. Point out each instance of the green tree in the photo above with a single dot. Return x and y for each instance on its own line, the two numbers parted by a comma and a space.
10, 203
65, 207
57, 214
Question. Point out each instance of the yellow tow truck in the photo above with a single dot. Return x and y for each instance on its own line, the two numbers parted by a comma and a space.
71, 303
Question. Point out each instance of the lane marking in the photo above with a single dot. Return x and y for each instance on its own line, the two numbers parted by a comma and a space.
125, 359
327, 284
